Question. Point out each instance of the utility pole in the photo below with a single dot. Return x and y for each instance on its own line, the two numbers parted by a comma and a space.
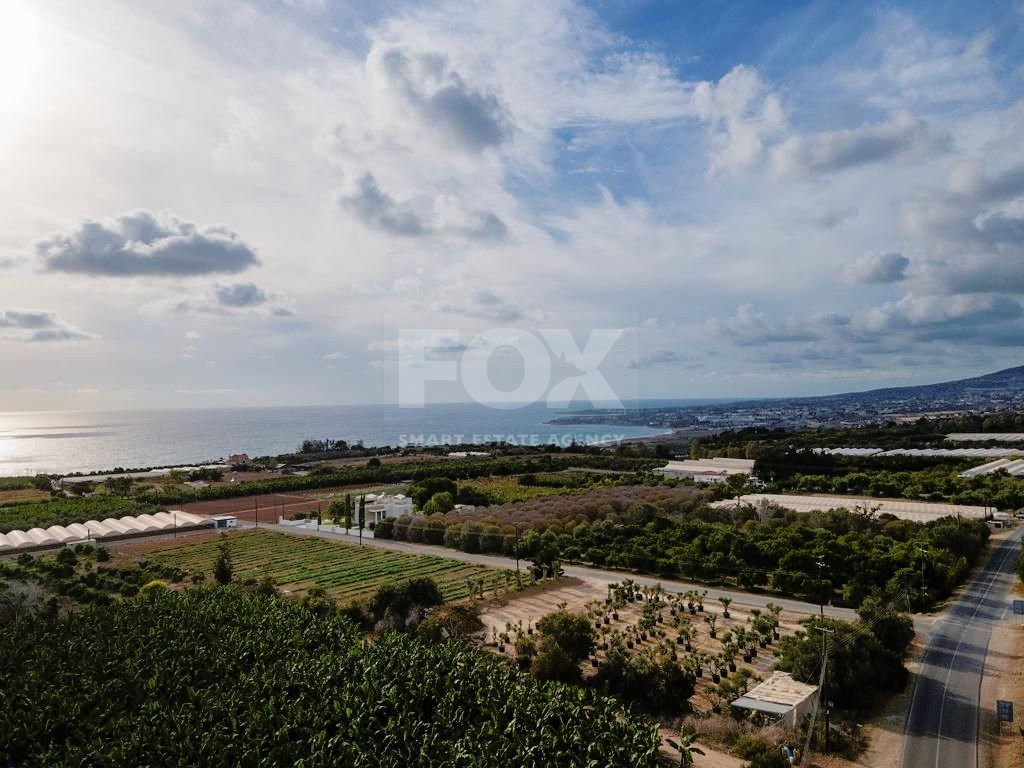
924, 591
824, 679
362, 517
821, 593
823, 697
257, 498
516, 526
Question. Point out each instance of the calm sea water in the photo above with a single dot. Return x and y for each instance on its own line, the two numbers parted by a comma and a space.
70, 441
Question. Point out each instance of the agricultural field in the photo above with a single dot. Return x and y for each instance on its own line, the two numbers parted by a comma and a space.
346, 571
218, 677
22, 495
505, 489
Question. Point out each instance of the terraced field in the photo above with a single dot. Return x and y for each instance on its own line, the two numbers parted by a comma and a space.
347, 572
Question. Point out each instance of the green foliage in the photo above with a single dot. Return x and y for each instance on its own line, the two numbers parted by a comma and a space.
223, 569
649, 682
439, 503
894, 630
423, 491
551, 662
73, 576
403, 605
761, 754
43, 514
573, 632
348, 572
449, 622
220, 677
860, 667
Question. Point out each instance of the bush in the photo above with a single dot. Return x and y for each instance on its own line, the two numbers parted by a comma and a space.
761, 754
553, 663
573, 632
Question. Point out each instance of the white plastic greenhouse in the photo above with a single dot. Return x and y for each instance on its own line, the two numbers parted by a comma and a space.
94, 529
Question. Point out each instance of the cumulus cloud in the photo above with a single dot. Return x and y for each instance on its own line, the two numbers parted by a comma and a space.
878, 268
334, 356
749, 327
36, 326
224, 300
378, 210
941, 317
143, 244
440, 99
903, 136
742, 113
240, 295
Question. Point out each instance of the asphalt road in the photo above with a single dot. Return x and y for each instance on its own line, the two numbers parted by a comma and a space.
600, 575
942, 721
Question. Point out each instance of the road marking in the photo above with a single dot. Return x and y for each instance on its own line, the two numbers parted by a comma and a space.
997, 572
1010, 543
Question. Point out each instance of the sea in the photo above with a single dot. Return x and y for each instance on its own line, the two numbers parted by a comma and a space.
60, 442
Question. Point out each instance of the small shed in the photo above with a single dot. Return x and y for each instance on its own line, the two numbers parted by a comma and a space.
224, 521
781, 698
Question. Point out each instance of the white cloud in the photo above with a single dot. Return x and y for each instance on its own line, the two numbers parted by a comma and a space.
742, 113
143, 244
903, 136
36, 326
878, 268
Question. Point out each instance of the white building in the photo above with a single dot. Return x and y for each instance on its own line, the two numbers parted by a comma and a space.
781, 699
708, 470
383, 506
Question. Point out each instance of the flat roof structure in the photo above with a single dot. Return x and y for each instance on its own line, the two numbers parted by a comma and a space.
952, 453
781, 697
696, 467
977, 437
917, 511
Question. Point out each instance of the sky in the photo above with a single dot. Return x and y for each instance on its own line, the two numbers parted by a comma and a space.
213, 203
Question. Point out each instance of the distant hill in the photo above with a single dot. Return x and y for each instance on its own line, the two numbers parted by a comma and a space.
999, 391
1001, 384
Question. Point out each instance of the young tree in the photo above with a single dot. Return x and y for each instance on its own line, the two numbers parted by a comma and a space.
572, 631
687, 749
223, 570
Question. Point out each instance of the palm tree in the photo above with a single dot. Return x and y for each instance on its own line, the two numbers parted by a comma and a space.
686, 748
725, 601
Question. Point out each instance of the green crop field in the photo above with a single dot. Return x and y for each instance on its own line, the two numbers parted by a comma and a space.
346, 571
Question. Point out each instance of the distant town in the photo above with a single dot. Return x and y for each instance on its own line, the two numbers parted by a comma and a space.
995, 392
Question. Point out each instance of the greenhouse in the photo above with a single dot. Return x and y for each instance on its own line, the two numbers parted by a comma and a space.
94, 529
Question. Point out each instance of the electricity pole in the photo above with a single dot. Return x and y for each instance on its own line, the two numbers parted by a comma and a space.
821, 593
824, 679
924, 591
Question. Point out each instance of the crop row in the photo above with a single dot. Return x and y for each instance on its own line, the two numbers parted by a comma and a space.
345, 570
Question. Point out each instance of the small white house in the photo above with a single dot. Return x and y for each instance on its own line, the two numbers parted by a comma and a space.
224, 521
384, 506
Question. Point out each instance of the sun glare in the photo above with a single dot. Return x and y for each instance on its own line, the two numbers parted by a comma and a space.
21, 52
